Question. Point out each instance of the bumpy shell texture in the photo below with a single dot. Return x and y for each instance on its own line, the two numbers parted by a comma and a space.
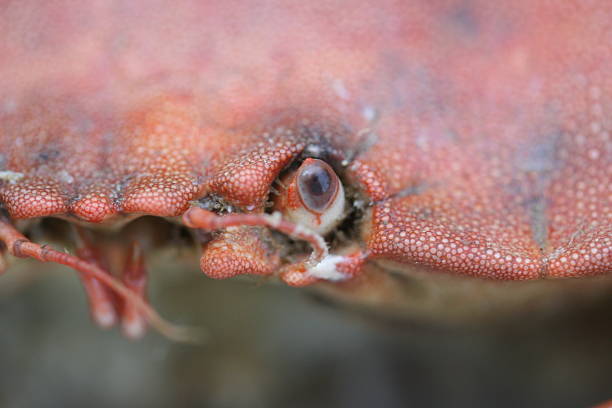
486, 125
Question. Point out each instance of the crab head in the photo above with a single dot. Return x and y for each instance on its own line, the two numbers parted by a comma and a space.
295, 212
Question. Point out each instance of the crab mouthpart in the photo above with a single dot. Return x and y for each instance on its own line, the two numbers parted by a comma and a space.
237, 251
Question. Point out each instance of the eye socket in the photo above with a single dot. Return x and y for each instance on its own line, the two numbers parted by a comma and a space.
317, 185
312, 196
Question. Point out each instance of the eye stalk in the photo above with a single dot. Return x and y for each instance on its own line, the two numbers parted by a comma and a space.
312, 196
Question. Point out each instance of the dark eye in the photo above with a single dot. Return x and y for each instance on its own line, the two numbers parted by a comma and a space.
312, 196
317, 185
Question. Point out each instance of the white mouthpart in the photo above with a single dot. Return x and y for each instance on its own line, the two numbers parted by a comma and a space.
327, 269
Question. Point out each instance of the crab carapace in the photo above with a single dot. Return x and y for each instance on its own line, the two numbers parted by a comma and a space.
414, 156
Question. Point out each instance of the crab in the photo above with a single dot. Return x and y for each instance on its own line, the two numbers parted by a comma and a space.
439, 160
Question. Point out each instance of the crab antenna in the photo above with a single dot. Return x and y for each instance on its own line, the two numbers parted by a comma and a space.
18, 245
197, 217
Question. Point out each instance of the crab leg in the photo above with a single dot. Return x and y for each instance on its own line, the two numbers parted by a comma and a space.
102, 301
105, 307
18, 245
134, 277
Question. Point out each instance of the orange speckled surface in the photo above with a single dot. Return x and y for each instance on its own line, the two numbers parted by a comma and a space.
239, 251
492, 120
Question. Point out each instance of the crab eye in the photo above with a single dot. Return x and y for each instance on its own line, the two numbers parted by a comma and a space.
312, 196
317, 185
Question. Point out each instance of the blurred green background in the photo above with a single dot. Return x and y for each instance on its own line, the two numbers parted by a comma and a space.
273, 346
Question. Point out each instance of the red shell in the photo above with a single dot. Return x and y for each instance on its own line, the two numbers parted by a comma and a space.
492, 120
